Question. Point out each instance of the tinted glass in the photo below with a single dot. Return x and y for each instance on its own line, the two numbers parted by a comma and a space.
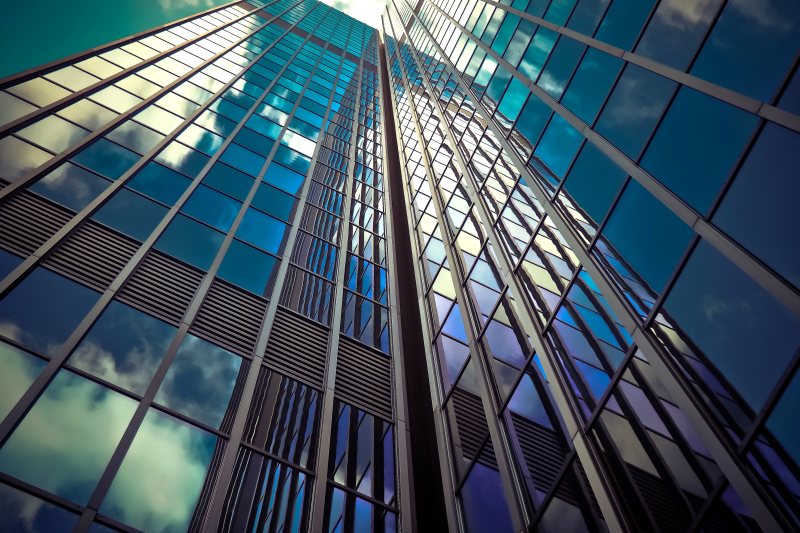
262, 230
160, 183
106, 158
70, 186
20, 511
248, 268
211, 207
131, 214
190, 241
19, 370
594, 181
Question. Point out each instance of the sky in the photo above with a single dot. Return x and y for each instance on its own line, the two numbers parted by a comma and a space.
368, 11
35, 32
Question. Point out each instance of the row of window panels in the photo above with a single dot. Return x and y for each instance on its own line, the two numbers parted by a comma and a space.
689, 113
706, 40
26, 97
282, 421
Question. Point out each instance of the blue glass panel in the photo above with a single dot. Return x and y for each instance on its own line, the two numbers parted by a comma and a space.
759, 210
558, 146
751, 46
559, 11
783, 420
482, 500
228, 180
634, 108
248, 268
43, 309
253, 141
262, 230
586, 16
190, 241
21, 512
106, 158
284, 178
243, 159
696, 145
70, 186
294, 160
537, 53
131, 214
594, 181
200, 381
159, 182
213, 208
20, 369
8, 262
183, 159
623, 22
676, 30
560, 66
274, 202
648, 236
733, 320
589, 87
124, 347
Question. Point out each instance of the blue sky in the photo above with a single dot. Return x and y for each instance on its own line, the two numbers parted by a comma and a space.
368, 11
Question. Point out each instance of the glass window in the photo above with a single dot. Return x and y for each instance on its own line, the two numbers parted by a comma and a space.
284, 178
560, 66
649, 237
43, 309
135, 136
160, 183
160, 479
53, 133
535, 116
696, 145
191, 242
12, 108
558, 146
88, 114
294, 160
254, 141
20, 511
732, 320
783, 420
589, 87
229, 180
759, 209
243, 159
274, 202
676, 30
594, 181
200, 139
124, 347
65, 441
586, 16
537, 53
8, 262
19, 371
18, 157
182, 159
483, 501
106, 158
211, 207
623, 22
751, 46
39, 91
131, 214
261, 230
70, 186
634, 108
248, 268
200, 381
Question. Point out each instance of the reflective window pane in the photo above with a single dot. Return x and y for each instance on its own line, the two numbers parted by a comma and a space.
20, 511
190, 241
131, 214
19, 370
70, 185
248, 268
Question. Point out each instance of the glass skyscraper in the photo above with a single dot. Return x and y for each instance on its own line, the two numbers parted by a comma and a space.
494, 266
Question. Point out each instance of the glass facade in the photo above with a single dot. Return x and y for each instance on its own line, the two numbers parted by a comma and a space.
211, 317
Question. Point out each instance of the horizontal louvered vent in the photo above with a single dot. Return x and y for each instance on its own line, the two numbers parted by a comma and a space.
3, 184
364, 378
544, 454
93, 255
162, 286
470, 422
297, 347
27, 221
230, 317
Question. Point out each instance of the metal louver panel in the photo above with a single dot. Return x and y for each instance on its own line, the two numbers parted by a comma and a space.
364, 378
27, 221
230, 317
3, 184
470, 422
162, 286
93, 255
297, 347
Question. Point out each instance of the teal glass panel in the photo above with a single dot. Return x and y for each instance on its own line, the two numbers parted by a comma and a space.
649, 237
560, 66
274, 202
593, 182
634, 108
106, 158
229, 180
124, 347
212, 207
759, 209
190, 241
292, 159
533, 118
70, 185
160, 183
201, 139
43, 310
512, 102
586, 16
751, 47
22, 512
159, 482
559, 10
623, 22
284, 178
65, 441
183, 159
131, 214
200, 381
243, 159
254, 141
558, 146
248, 268
19, 370
732, 320
538, 52
591, 83
263, 231
696, 146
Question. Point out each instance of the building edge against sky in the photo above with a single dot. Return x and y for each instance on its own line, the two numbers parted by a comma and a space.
254, 264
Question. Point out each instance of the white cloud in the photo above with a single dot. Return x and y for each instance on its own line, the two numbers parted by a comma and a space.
367, 11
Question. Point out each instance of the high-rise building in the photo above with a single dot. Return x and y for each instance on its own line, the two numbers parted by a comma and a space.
494, 266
